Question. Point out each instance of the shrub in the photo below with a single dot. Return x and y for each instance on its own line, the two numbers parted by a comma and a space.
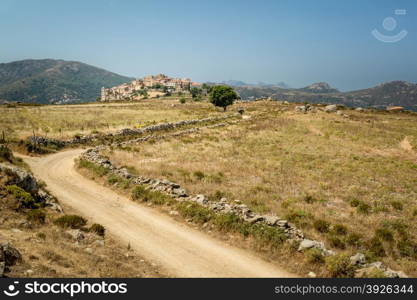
336, 242
199, 175
339, 265
321, 226
398, 205
309, 199
376, 247
36, 216
267, 235
354, 239
25, 199
217, 196
314, 256
99, 170
70, 221
41, 235
145, 195
354, 202
182, 100
414, 212
6, 153
228, 221
112, 179
340, 229
195, 212
363, 208
97, 229
384, 234
407, 248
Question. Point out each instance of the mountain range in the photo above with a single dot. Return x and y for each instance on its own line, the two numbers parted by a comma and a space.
54, 81
48, 81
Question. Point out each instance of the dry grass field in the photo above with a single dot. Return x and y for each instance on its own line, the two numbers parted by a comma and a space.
351, 182
66, 121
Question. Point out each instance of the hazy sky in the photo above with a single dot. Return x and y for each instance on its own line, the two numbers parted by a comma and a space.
298, 42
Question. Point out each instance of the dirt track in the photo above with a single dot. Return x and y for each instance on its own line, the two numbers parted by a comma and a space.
180, 250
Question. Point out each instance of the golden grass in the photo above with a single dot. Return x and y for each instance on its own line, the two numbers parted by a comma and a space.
66, 121
305, 167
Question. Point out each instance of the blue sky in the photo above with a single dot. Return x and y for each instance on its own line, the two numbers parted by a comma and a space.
298, 42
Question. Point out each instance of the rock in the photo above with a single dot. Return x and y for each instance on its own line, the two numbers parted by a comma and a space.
359, 109
89, 250
330, 108
358, 259
2, 268
301, 108
283, 223
311, 275
308, 244
22, 178
201, 199
173, 213
15, 230
99, 243
76, 234
255, 219
339, 112
29, 272
180, 192
271, 220
10, 255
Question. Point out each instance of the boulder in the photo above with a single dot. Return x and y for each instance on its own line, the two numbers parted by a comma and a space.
330, 108
308, 244
9, 255
358, 259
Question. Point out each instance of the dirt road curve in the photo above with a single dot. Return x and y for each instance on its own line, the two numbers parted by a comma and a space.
180, 250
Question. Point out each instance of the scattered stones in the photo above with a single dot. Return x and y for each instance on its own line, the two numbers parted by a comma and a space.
76, 234
311, 275
358, 259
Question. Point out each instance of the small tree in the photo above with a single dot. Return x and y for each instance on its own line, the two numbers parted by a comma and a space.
223, 96
195, 92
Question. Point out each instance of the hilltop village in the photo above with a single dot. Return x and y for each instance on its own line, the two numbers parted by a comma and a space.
152, 86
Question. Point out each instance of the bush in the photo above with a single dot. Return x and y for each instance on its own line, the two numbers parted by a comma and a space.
321, 226
36, 216
398, 205
217, 196
384, 234
99, 170
339, 265
354, 202
407, 248
376, 247
309, 199
182, 100
145, 195
97, 229
340, 229
6, 153
199, 175
354, 240
336, 242
363, 208
70, 221
314, 256
195, 212
25, 199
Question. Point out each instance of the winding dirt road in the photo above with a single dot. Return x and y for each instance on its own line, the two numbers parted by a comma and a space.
179, 249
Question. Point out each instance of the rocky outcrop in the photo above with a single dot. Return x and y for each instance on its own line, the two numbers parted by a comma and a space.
28, 182
9, 256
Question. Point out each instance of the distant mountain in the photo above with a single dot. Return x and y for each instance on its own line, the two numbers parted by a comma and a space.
54, 81
283, 85
395, 93
234, 83
320, 88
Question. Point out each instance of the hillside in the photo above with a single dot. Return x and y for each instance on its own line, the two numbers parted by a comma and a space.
54, 81
395, 93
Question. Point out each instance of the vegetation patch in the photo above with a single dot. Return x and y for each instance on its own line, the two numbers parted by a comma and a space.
70, 221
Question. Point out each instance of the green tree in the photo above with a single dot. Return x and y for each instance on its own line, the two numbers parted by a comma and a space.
223, 96
195, 92
206, 87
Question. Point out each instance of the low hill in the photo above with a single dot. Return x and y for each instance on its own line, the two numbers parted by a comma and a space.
54, 81
395, 93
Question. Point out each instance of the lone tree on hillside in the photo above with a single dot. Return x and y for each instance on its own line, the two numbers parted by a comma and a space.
195, 92
223, 96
